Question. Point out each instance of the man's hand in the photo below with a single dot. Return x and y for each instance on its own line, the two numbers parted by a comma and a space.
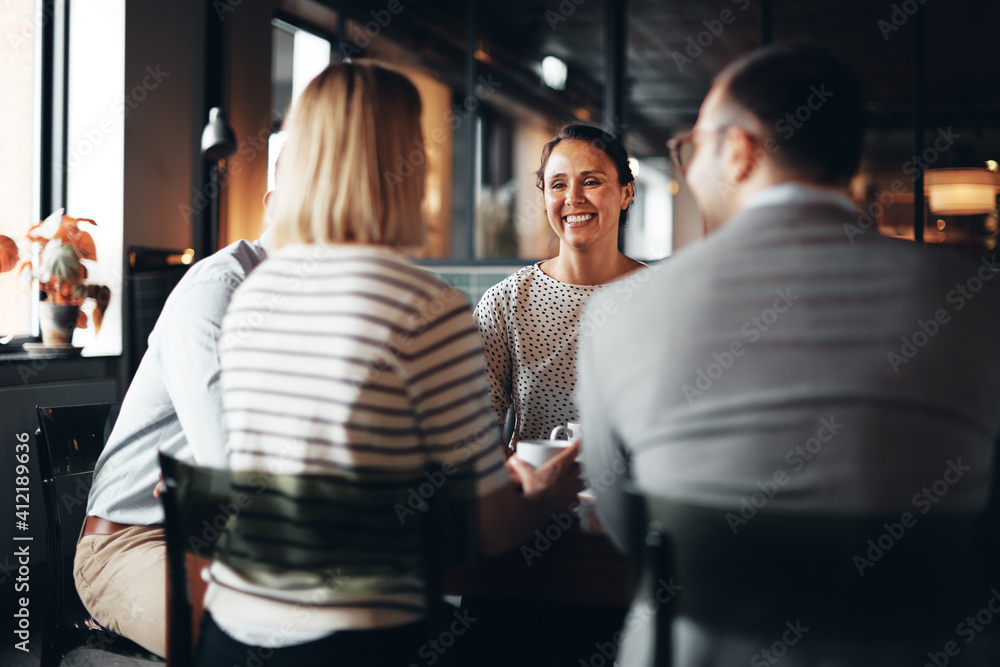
159, 487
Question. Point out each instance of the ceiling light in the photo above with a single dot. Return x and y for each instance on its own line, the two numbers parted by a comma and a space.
554, 72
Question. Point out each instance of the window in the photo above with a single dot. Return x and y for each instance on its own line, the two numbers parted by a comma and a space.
63, 112
92, 167
297, 56
483, 137
19, 152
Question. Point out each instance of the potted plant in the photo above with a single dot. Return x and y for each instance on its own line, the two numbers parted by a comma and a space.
58, 266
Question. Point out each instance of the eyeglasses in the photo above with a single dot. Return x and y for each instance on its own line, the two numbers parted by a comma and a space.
682, 147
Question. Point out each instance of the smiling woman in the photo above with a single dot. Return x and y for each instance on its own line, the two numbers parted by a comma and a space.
530, 322
586, 202
530, 326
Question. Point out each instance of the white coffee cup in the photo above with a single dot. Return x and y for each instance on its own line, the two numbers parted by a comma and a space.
571, 430
536, 452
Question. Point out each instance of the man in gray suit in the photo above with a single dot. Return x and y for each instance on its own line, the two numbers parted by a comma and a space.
793, 360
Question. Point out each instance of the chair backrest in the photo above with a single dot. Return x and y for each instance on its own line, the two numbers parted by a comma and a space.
74, 437
906, 576
152, 277
509, 425
70, 440
344, 529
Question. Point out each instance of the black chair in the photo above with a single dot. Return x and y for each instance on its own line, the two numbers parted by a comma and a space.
153, 273
508, 428
340, 528
70, 439
749, 574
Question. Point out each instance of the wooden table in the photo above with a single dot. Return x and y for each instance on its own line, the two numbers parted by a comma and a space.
575, 567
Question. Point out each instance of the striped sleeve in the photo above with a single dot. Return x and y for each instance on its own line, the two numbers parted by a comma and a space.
443, 362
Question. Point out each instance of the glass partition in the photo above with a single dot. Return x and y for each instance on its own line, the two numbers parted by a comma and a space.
484, 143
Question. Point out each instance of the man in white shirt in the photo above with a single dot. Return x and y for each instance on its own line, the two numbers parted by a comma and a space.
793, 360
174, 405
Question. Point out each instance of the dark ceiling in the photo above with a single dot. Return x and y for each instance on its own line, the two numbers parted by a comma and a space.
667, 76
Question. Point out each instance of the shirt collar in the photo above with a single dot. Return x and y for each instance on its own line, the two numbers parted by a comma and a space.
796, 193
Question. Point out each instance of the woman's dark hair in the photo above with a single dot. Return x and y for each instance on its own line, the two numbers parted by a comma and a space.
810, 105
609, 144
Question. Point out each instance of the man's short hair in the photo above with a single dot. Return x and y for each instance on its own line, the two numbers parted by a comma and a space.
808, 102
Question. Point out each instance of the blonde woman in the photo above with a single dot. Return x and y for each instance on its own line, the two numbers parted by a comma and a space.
339, 352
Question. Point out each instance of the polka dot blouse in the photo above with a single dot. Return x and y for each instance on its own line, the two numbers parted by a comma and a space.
529, 325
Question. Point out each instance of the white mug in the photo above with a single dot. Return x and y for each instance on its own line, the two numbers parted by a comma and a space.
536, 452
571, 430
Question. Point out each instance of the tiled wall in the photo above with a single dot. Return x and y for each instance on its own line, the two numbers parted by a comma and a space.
473, 280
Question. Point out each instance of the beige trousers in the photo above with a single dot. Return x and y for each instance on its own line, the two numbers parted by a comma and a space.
121, 579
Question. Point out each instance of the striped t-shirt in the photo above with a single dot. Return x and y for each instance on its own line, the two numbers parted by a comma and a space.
348, 356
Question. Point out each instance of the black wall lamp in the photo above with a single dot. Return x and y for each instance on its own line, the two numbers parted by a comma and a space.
218, 141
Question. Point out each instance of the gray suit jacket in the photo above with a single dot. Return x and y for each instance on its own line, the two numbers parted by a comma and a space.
789, 356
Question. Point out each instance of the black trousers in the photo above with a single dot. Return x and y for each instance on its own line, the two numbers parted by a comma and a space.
398, 646
505, 633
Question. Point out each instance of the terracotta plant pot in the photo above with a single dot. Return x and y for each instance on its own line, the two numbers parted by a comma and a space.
57, 322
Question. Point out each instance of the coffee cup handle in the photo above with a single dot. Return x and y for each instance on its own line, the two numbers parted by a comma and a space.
559, 430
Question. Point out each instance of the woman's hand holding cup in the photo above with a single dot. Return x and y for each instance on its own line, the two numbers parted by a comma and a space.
556, 482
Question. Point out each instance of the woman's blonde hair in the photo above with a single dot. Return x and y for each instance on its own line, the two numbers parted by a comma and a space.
352, 167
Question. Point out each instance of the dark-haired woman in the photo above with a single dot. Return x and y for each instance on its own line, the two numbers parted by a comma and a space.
529, 322
529, 325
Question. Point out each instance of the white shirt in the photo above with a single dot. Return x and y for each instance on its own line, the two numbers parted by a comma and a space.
174, 403
789, 194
